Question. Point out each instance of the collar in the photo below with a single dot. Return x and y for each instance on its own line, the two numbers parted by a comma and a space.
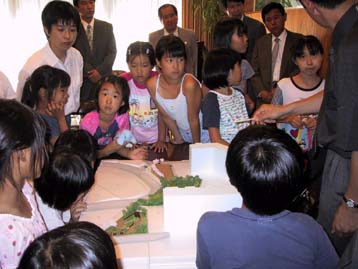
52, 58
344, 25
247, 214
282, 36
84, 23
176, 32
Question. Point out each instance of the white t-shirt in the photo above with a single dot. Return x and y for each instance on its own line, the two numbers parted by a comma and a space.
6, 90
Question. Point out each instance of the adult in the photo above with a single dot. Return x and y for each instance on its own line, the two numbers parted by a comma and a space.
255, 29
6, 90
61, 23
168, 15
97, 45
337, 128
272, 56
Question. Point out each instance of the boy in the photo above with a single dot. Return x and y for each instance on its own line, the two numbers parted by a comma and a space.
61, 23
266, 166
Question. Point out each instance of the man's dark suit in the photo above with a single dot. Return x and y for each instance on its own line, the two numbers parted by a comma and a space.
188, 37
255, 30
101, 58
262, 58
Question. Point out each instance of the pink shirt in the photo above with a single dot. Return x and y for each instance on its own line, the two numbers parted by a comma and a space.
16, 232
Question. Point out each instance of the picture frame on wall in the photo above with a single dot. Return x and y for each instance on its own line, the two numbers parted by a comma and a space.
259, 4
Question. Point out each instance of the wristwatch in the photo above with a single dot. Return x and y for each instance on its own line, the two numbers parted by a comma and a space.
350, 202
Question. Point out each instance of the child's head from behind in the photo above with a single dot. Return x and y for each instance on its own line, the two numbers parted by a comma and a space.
79, 142
66, 178
222, 68
231, 33
22, 142
46, 84
170, 54
308, 55
75, 245
141, 60
112, 95
266, 166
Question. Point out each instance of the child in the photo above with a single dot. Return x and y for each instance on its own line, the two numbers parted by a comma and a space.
75, 245
111, 118
176, 94
22, 156
223, 106
143, 114
232, 33
63, 186
47, 92
308, 57
266, 167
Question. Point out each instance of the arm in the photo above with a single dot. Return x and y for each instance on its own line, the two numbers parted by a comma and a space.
23, 75
192, 92
215, 136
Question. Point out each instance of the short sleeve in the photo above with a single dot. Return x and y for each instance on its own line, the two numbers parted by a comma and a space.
90, 122
277, 98
211, 111
246, 70
122, 122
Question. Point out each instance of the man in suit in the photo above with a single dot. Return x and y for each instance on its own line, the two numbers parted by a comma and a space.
97, 45
272, 56
255, 29
168, 15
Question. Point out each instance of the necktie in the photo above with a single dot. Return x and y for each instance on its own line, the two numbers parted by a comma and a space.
275, 49
89, 35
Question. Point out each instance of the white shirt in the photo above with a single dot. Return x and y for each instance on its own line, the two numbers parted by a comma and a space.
6, 90
277, 70
176, 32
73, 65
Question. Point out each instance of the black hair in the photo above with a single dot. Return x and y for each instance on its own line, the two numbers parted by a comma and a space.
270, 6
165, 6
171, 45
328, 3
310, 42
120, 83
266, 166
80, 142
138, 48
20, 128
225, 29
60, 11
67, 176
73, 246
75, 2
224, 2
217, 66
47, 77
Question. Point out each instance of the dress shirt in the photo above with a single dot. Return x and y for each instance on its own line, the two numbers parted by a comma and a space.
176, 32
276, 72
73, 65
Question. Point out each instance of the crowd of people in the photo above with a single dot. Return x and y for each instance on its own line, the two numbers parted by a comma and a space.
249, 76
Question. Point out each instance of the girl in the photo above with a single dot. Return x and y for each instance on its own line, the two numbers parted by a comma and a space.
176, 94
308, 57
232, 33
223, 106
143, 114
62, 187
47, 92
22, 156
111, 118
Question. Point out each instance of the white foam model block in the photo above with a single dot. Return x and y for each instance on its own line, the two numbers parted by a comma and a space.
183, 207
208, 161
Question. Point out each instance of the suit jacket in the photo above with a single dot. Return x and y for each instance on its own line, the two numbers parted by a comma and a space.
100, 58
262, 58
255, 30
189, 39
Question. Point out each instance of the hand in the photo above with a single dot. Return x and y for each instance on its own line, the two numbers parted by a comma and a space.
138, 154
94, 76
294, 120
159, 146
77, 207
268, 113
56, 110
345, 220
266, 96
310, 122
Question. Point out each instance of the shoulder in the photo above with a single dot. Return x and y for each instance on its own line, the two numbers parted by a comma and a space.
126, 75
252, 22
151, 84
90, 122
186, 33
156, 33
284, 82
293, 35
190, 84
210, 100
102, 23
74, 53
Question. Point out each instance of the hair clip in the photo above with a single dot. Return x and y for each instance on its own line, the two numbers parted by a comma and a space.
129, 52
147, 51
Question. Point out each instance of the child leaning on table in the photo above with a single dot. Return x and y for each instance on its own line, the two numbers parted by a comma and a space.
266, 166
223, 106
62, 187
111, 119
